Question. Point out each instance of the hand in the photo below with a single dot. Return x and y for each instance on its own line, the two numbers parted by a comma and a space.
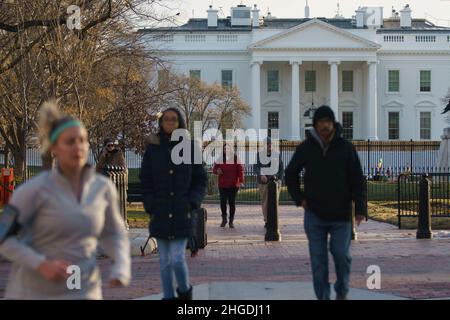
219, 171
264, 179
304, 204
359, 218
194, 253
115, 283
242, 185
54, 270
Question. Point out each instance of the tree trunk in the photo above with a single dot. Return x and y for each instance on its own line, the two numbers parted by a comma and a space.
19, 165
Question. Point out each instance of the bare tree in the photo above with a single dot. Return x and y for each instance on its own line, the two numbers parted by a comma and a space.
213, 105
40, 58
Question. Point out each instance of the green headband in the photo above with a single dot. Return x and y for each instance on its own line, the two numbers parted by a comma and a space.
61, 128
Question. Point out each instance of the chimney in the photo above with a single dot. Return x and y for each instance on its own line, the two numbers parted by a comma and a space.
360, 17
405, 17
307, 10
212, 17
255, 17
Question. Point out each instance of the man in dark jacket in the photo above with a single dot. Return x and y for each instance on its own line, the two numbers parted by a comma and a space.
263, 178
333, 178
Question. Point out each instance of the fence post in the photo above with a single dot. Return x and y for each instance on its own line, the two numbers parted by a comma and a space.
399, 217
411, 159
424, 225
368, 157
272, 231
118, 177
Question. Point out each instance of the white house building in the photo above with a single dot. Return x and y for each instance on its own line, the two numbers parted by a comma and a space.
385, 78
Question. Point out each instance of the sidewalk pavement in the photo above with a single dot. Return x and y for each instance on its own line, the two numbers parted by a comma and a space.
238, 264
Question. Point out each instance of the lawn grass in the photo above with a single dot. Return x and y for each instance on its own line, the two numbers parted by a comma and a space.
137, 217
386, 211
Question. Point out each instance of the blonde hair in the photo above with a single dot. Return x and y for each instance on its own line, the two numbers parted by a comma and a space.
50, 118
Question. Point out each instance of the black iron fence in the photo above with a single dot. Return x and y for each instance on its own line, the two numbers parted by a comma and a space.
408, 194
383, 163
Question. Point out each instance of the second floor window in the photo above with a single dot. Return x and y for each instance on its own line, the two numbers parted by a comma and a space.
347, 81
227, 79
425, 81
195, 74
273, 81
310, 81
394, 81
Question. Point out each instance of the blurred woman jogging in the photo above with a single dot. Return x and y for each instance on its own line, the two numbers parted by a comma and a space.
170, 192
63, 214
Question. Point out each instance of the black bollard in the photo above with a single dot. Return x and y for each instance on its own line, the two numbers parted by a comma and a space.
424, 225
272, 231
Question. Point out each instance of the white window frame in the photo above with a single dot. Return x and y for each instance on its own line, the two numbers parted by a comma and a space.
196, 69
233, 80
352, 107
283, 128
431, 125
398, 93
267, 81
315, 82
399, 111
425, 108
418, 82
342, 81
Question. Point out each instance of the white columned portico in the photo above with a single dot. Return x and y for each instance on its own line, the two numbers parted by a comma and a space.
295, 100
334, 87
372, 123
256, 94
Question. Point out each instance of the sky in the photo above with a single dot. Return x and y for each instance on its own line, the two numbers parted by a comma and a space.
437, 11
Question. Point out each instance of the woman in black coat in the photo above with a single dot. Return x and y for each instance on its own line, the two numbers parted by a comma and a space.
170, 192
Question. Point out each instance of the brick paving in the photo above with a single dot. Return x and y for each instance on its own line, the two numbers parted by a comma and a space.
409, 267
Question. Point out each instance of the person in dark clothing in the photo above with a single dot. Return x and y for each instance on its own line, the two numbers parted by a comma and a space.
263, 177
111, 156
170, 193
231, 177
333, 178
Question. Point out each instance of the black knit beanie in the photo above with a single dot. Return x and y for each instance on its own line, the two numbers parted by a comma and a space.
323, 112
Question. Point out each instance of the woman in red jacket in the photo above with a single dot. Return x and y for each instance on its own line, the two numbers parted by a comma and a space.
231, 177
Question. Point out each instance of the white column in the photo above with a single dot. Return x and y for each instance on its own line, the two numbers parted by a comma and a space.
372, 104
256, 94
334, 87
295, 101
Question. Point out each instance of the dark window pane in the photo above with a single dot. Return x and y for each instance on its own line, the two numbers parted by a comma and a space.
227, 78
394, 126
347, 125
347, 81
273, 81
273, 120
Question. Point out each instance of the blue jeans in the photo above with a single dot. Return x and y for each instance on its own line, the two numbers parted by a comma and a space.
317, 231
172, 260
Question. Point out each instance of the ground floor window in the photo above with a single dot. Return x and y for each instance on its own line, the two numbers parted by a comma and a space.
347, 125
273, 120
425, 125
394, 125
